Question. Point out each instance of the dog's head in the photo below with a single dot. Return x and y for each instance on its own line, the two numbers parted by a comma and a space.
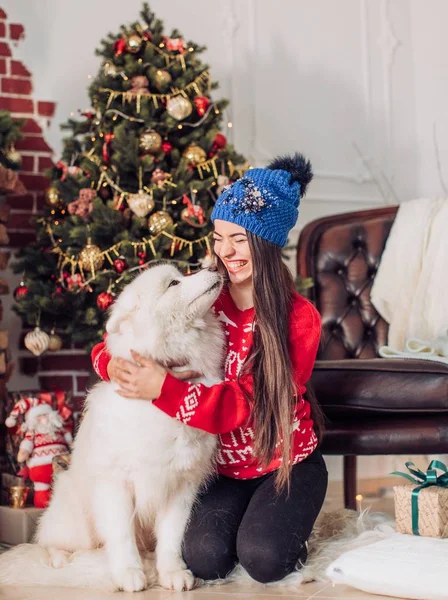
162, 298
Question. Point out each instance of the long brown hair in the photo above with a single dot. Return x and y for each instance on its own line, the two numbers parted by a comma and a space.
275, 395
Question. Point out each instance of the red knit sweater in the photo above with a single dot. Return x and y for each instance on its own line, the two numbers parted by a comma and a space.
223, 409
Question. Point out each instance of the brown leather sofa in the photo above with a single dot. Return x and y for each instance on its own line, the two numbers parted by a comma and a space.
372, 405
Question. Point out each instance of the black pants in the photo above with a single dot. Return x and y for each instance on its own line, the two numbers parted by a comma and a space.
247, 521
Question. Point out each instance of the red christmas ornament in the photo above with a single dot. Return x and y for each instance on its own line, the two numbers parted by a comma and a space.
104, 300
175, 44
120, 265
141, 254
201, 103
108, 137
58, 291
20, 292
147, 35
166, 147
119, 46
141, 261
220, 141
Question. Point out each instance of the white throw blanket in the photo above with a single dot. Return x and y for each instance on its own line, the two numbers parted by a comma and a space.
410, 288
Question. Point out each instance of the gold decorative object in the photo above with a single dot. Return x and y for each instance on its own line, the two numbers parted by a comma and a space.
110, 69
195, 154
55, 342
61, 463
15, 157
133, 43
179, 107
91, 258
159, 221
37, 341
150, 142
162, 79
18, 495
141, 203
52, 196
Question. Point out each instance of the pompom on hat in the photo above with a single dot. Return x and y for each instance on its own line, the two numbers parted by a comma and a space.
30, 407
266, 201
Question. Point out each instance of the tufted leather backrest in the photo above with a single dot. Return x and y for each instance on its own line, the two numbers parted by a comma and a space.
341, 254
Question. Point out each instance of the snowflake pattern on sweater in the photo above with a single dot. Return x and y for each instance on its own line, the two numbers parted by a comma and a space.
222, 409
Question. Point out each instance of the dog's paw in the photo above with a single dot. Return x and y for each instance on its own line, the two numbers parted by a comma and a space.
180, 580
58, 558
131, 580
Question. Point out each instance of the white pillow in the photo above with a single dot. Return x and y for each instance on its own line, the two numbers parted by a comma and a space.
405, 566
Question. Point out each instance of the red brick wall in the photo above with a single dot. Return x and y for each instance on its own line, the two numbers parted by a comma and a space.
69, 368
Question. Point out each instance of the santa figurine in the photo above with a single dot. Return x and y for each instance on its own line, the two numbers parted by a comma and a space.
45, 436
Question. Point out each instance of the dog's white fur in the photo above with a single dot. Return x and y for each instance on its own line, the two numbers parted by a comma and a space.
135, 471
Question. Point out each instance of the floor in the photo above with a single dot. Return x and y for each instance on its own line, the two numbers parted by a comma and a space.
375, 495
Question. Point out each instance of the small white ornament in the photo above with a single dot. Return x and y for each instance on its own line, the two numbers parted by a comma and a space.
223, 180
141, 203
37, 341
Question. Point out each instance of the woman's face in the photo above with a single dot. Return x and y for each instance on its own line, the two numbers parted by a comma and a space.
232, 247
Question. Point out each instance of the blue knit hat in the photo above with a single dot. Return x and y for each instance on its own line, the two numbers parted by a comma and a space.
266, 201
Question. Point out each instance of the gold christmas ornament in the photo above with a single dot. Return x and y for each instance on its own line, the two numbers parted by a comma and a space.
150, 142
141, 203
179, 107
55, 342
162, 79
133, 43
159, 221
37, 341
52, 196
195, 154
90, 257
13, 156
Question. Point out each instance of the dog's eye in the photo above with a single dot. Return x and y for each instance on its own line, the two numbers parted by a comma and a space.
173, 282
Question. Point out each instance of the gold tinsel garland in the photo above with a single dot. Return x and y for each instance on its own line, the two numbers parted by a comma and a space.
177, 244
201, 81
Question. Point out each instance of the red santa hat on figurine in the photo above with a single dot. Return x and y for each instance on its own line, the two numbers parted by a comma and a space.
30, 407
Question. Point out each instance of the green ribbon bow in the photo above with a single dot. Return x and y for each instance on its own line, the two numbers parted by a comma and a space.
423, 480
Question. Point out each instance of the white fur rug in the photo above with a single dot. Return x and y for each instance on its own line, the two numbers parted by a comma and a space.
335, 533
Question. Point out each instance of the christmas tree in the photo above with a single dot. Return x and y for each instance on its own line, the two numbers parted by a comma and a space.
9, 133
136, 183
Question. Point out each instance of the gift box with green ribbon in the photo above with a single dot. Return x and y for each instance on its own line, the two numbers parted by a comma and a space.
421, 508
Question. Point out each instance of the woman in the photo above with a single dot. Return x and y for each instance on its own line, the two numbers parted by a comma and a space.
272, 480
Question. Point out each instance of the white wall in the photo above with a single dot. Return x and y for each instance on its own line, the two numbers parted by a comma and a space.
318, 76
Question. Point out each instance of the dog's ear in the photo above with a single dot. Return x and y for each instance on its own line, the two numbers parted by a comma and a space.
121, 313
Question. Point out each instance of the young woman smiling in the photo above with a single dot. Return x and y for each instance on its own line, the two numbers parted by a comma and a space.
272, 479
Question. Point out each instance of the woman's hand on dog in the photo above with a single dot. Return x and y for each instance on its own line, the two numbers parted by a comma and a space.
143, 380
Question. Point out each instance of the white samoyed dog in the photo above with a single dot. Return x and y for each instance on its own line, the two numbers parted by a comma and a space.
135, 471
